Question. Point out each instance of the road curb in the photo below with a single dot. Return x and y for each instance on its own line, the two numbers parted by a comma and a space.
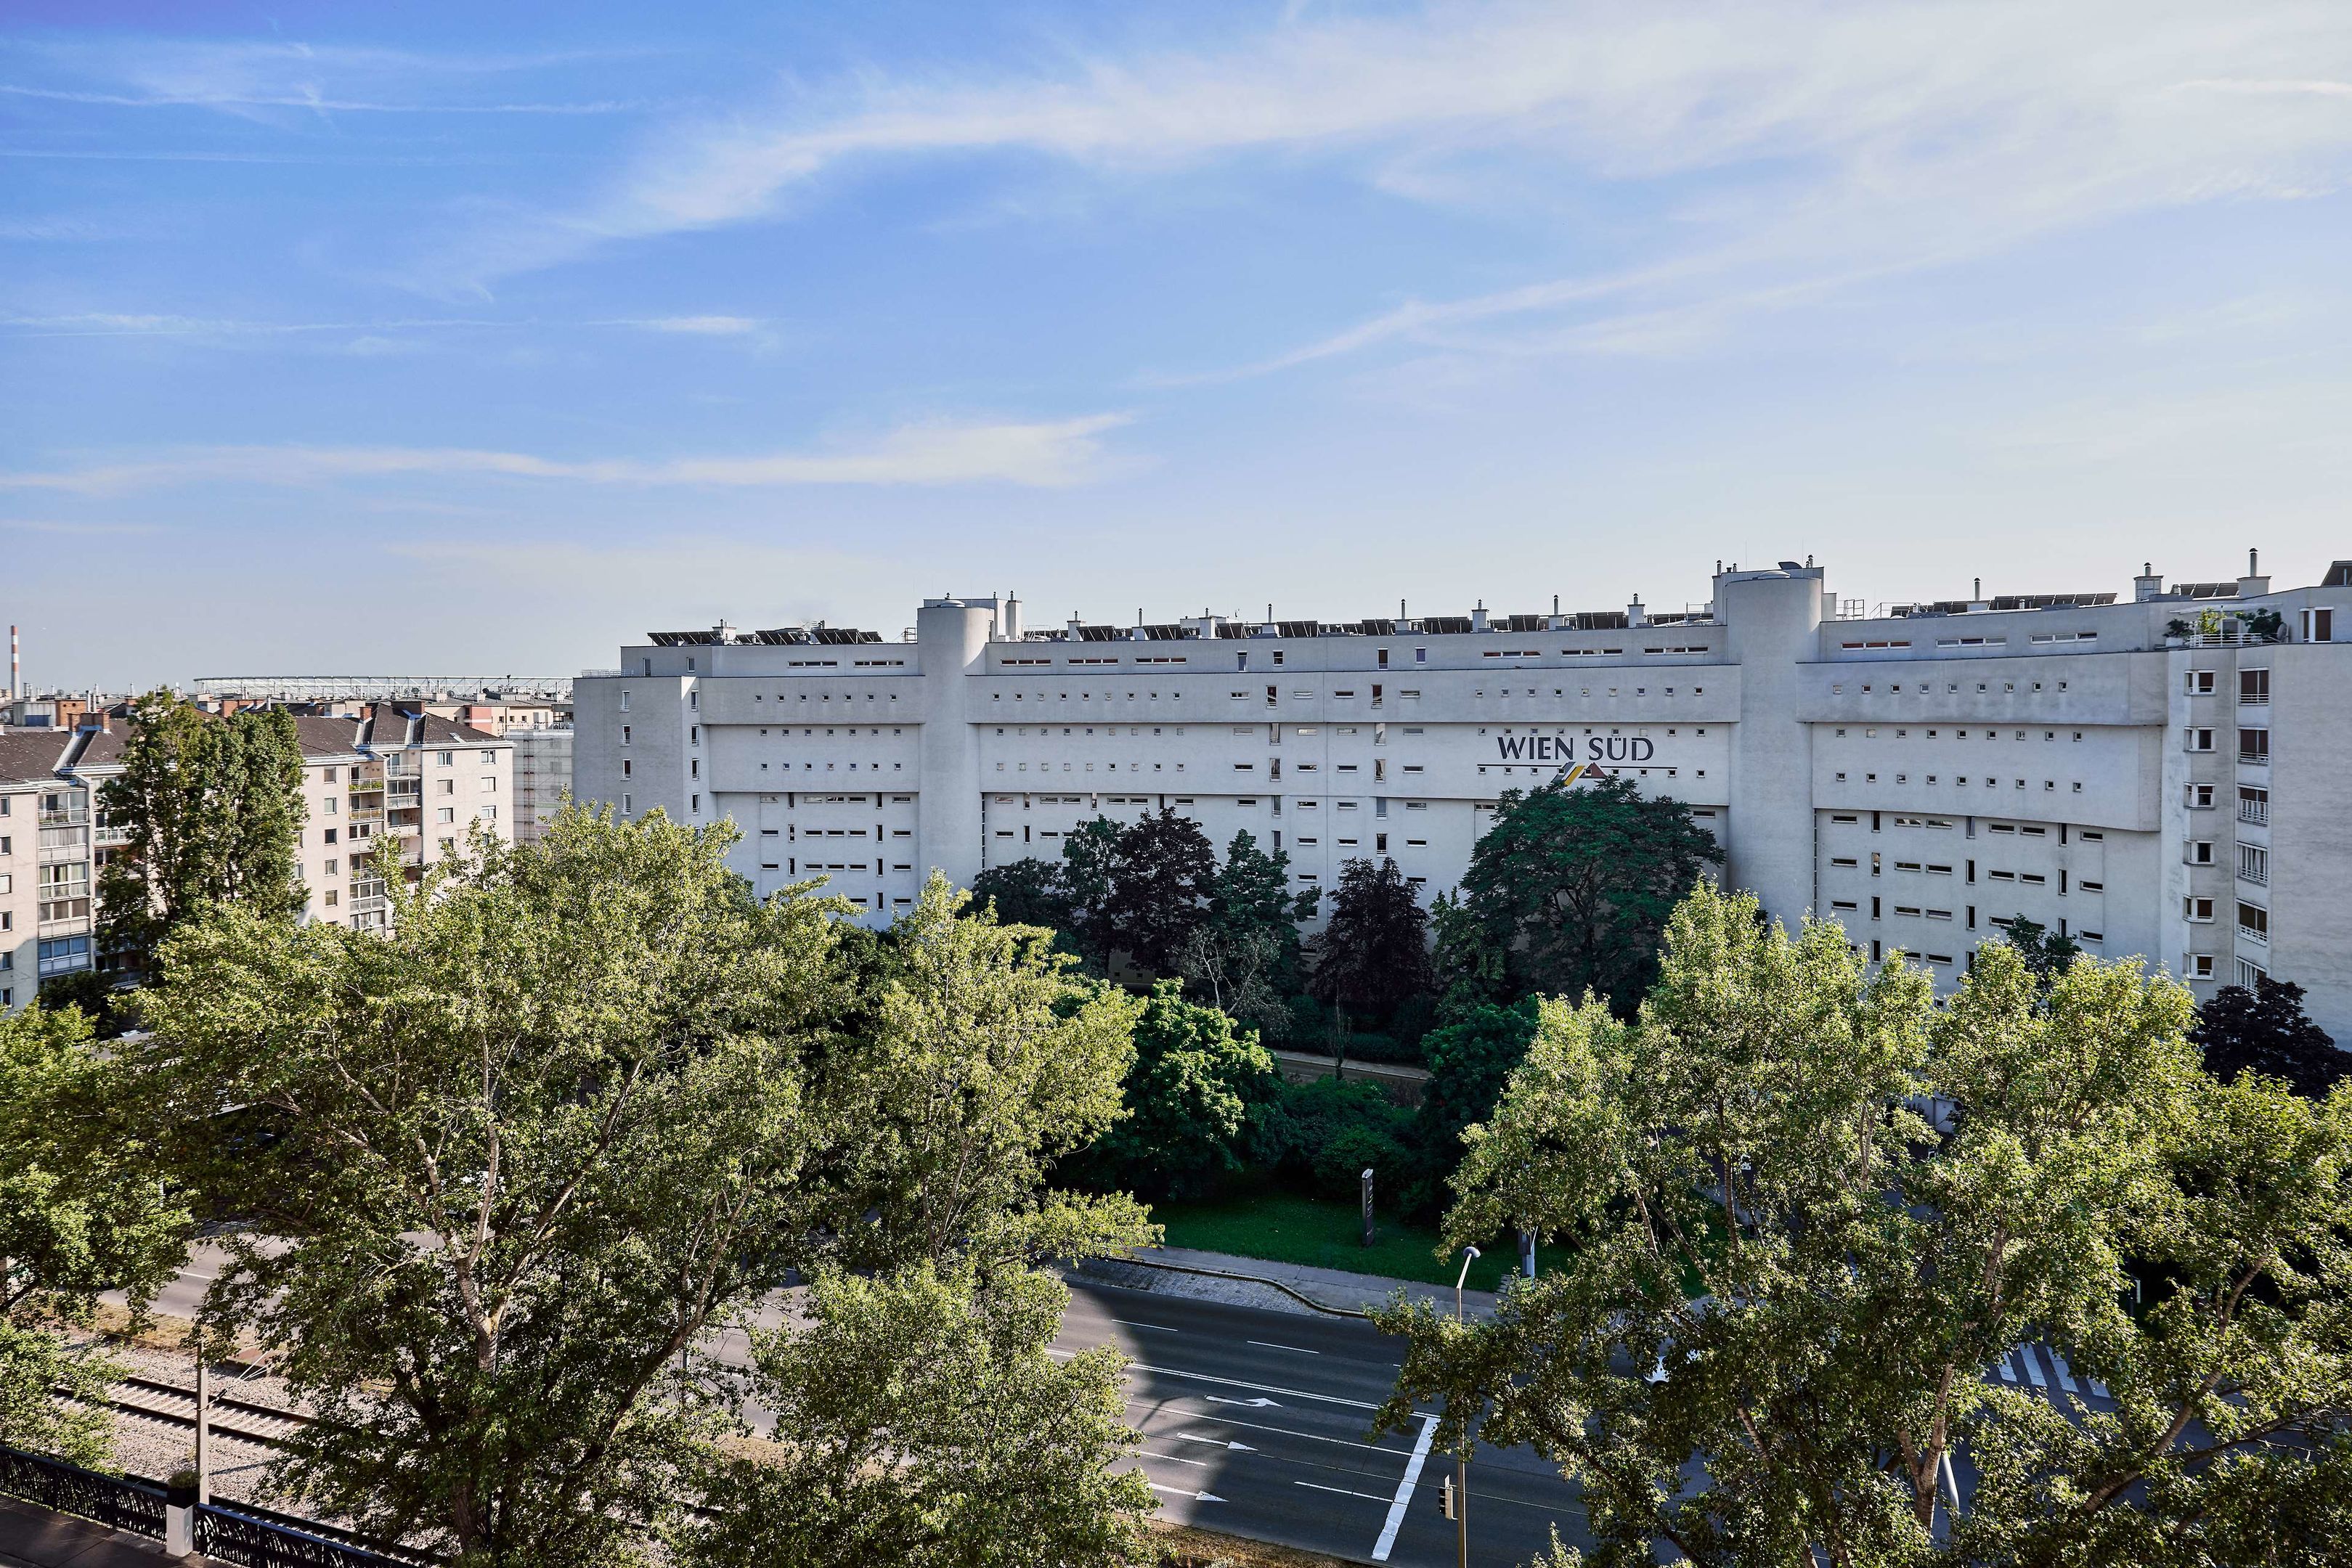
1296, 1295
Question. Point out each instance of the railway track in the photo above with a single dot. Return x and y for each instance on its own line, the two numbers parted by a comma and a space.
174, 1404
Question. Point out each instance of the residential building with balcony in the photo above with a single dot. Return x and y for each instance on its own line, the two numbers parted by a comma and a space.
414, 777
45, 876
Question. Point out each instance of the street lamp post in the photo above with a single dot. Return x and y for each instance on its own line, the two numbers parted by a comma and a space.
204, 1425
1461, 1459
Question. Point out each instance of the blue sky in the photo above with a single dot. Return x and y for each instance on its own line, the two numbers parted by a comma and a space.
461, 338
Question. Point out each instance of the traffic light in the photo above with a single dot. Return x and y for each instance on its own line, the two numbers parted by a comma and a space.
1446, 1500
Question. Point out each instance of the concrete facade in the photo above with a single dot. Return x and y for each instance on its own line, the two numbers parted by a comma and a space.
1924, 774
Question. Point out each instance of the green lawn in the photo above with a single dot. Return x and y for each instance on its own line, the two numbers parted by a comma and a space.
1288, 1228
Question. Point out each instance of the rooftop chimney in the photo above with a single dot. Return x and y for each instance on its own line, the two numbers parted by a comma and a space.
2254, 585
1633, 613
2148, 585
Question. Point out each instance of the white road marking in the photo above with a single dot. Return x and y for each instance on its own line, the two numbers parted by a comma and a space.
2066, 1372
1173, 1459
1059, 1353
1252, 1404
1343, 1491
1180, 1492
2008, 1370
1404, 1490
1154, 1407
1157, 1328
1292, 1349
2033, 1367
1219, 1442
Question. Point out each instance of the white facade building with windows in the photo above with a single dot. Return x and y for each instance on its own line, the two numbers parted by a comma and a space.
2137, 774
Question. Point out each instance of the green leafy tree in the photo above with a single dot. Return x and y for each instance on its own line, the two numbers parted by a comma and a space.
211, 809
80, 1213
1373, 955
988, 1063
2266, 1030
1472, 963
2233, 1388
1189, 1097
1324, 1131
1778, 1270
920, 1420
1160, 879
1470, 1059
1090, 862
1026, 892
2043, 952
1245, 956
1572, 886
523, 1155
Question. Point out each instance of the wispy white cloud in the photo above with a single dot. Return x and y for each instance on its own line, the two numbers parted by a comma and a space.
316, 102
1777, 142
379, 336
1052, 454
695, 326
257, 78
82, 530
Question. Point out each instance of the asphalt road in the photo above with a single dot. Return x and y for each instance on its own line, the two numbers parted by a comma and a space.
1257, 1423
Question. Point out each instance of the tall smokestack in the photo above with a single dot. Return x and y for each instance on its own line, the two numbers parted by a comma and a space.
15, 668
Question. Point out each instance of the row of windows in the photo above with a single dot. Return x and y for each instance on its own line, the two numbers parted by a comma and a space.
1924, 687
2049, 785
1871, 733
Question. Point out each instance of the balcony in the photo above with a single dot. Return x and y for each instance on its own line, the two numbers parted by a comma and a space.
2258, 876
360, 813
2258, 812
2255, 758
61, 845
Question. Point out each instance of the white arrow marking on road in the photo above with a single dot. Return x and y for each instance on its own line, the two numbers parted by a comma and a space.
1219, 1442
1404, 1490
1174, 1458
1059, 1354
1180, 1492
1255, 1403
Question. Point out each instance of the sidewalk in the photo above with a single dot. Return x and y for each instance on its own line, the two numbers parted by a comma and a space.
33, 1537
1327, 1287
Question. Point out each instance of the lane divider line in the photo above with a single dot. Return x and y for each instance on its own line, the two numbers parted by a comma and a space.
1387, 1541
1343, 1491
1269, 1344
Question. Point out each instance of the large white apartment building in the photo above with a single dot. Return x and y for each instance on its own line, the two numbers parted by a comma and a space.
2114, 769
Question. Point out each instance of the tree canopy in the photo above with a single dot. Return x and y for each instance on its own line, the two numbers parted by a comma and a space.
80, 1213
922, 1421
586, 1104
1161, 876
1374, 952
1154, 893
1244, 958
988, 1061
1779, 1267
2266, 1030
1571, 890
1189, 1096
518, 1154
212, 813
